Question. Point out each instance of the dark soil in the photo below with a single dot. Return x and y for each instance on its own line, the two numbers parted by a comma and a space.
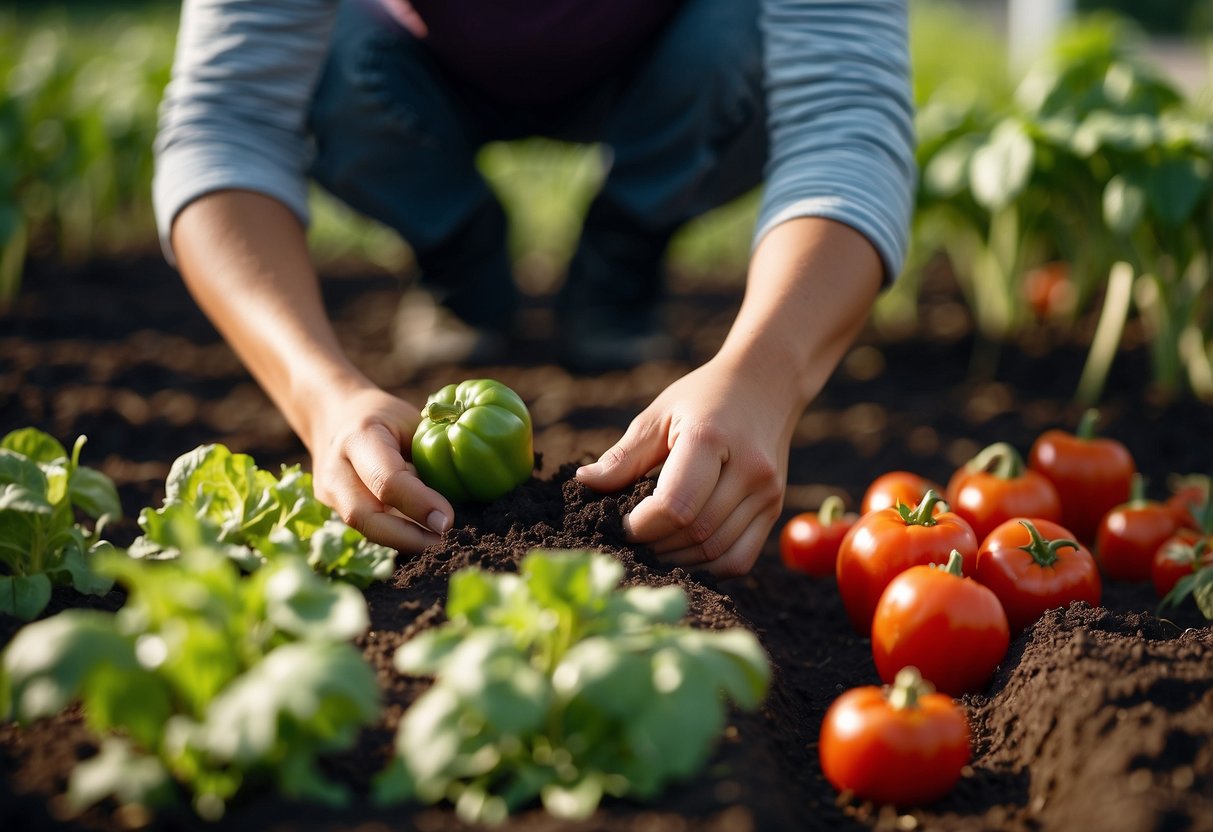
1098, 717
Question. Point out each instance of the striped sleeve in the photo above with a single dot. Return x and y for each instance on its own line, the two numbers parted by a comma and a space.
840, 119
234, 113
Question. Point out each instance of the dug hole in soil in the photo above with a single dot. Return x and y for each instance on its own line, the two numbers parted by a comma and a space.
1098, 718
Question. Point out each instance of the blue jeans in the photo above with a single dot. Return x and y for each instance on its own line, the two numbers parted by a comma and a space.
397, 135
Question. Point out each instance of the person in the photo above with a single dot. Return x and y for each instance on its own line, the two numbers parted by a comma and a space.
385, 103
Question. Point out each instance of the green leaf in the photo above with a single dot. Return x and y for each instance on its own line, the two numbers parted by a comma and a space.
48, 661
317, 695
425, 653
28, 477
94, 493
34, 445
654, 605
1001, 168
1175, 187
119, 771
134, 701
81, 575
734, 662
1124, 203
491, 675
17, 498
24, 596
338, 549
575, 802
947, 174
602, 671
305, 605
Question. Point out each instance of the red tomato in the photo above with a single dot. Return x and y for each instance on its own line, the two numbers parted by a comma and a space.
1131, 533
885, 543
994, 487
1179, 555
1036, 565
809, 541
904, 745
887, 490
950, 627
1092, 475
1049, 290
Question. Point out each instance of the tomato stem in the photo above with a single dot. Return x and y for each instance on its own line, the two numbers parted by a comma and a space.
1044, 552
1137, 490
1000, 459
831, 511
443, 412
1086, 425
908, 687
924, 513
955, 564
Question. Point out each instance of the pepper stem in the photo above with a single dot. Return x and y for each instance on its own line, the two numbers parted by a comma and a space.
908, 687
1000, 459
443, 412
1044, 552
924, 513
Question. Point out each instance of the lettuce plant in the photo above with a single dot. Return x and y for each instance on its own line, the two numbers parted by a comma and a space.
254, 517
207, 679
42, 489
552, 683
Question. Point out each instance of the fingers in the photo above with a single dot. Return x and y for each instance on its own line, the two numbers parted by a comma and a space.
640, 450
690, 476
362, 510
730, 552
376, 459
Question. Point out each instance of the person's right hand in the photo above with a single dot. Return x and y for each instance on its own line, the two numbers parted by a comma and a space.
358, 444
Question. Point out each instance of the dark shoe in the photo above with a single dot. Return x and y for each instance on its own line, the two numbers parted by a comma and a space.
591, 342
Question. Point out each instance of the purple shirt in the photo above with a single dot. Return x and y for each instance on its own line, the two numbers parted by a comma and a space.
539, 50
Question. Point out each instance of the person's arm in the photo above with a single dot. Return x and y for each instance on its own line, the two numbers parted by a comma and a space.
832, 230
724, 431
230, 193
263, 296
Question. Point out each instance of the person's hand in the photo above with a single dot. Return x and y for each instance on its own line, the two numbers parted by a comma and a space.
358, 445
723, 433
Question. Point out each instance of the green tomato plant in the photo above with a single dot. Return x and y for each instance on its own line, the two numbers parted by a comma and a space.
42, 490
474, 441
554, 683
255, 517
207, 680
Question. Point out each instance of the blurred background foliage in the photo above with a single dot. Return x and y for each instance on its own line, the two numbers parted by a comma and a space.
1085, 180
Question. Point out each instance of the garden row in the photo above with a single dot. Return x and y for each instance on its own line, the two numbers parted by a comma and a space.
1088, 188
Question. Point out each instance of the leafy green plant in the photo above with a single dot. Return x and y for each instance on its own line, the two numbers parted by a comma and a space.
1098, 162
552, 683
206, 678
42, 489
255, 517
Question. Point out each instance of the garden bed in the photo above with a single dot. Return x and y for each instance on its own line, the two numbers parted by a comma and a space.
1101, 717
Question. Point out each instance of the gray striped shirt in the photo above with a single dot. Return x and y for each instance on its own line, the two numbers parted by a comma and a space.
839, 111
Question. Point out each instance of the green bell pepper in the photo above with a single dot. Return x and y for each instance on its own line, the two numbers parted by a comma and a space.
474, 441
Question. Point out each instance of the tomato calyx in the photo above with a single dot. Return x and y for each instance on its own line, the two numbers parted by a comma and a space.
443, 412
1000, 460
908, 687
924, 513
1044, 552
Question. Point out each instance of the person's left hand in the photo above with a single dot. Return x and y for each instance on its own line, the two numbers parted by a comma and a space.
723, 432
